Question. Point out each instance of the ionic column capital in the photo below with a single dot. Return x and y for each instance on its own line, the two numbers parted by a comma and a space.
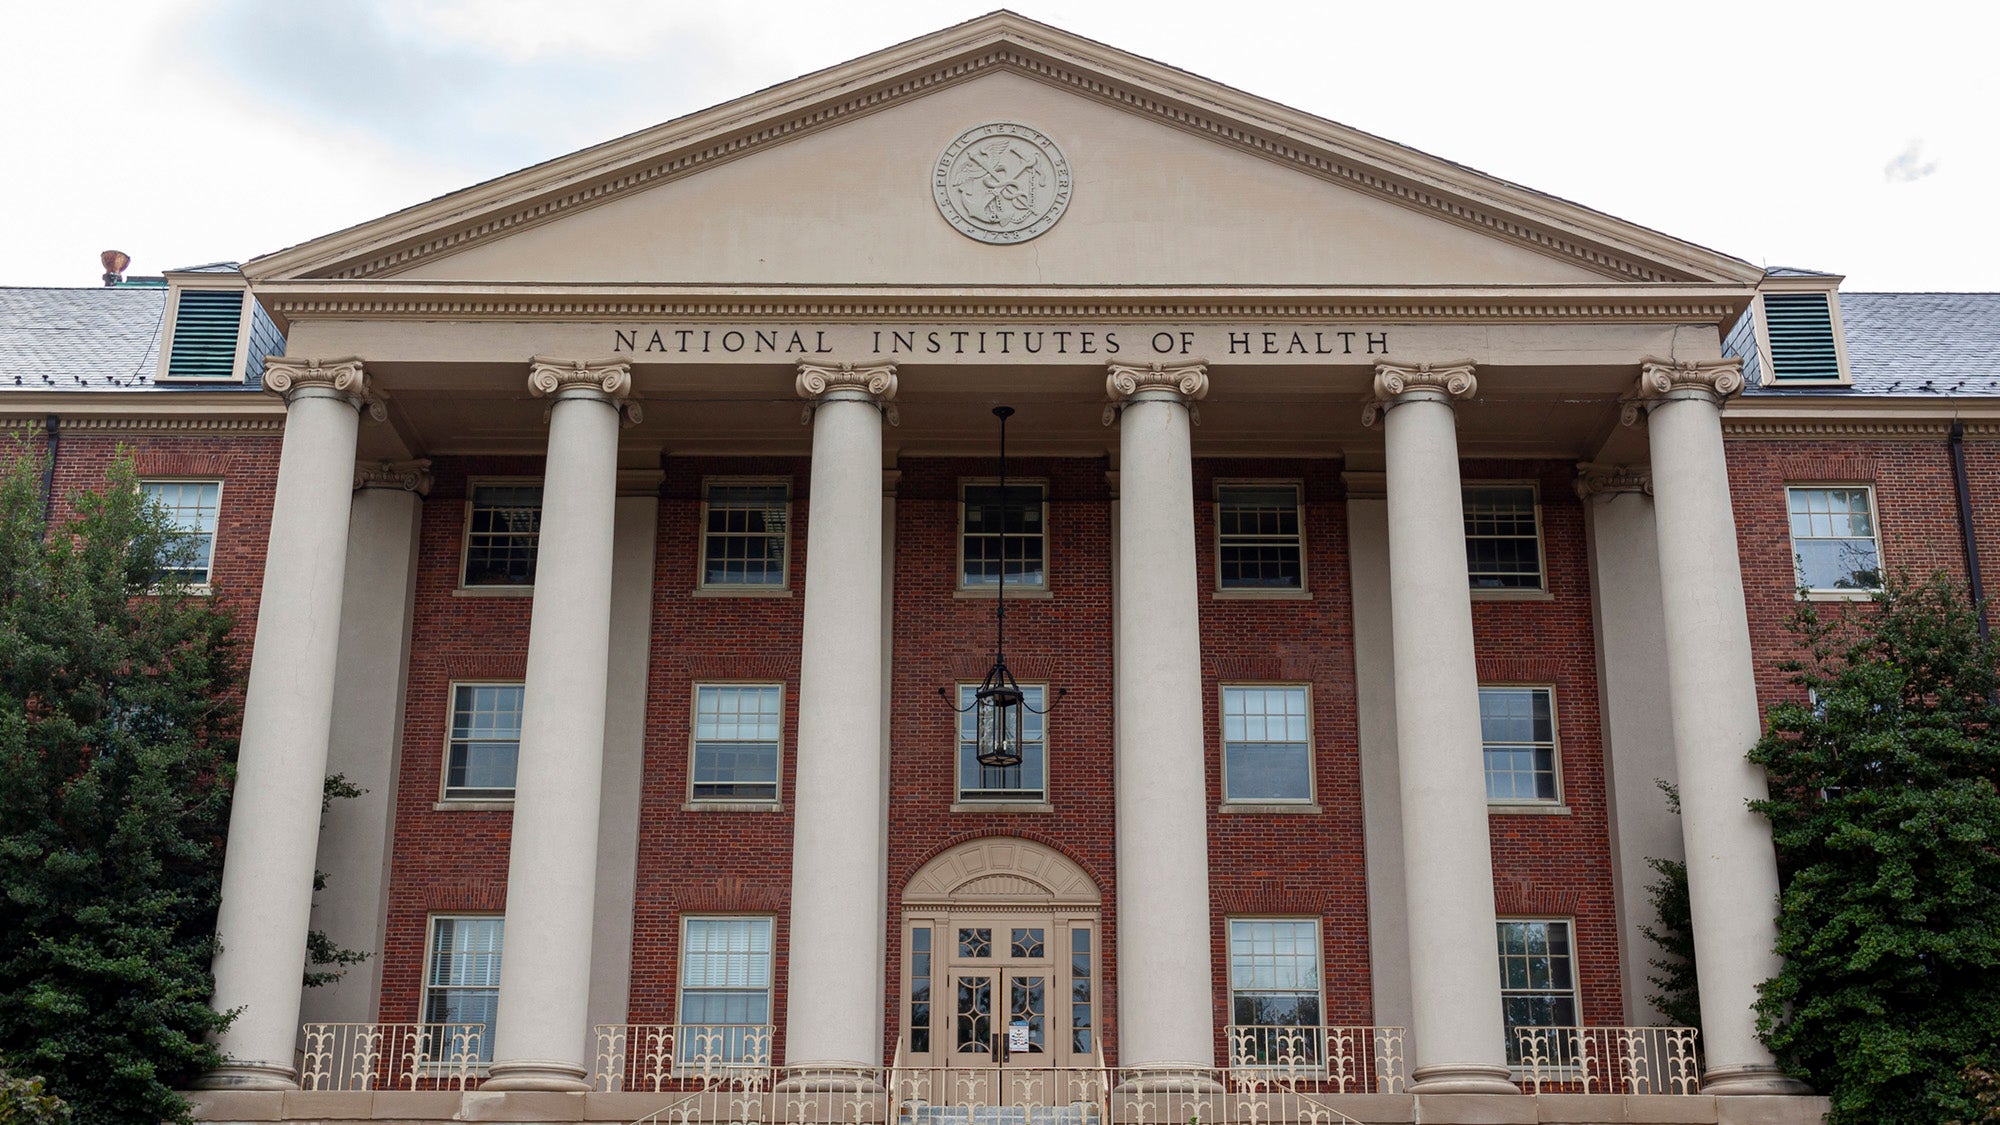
1123, 382
1594, 480
1394, 379
408, 476
1660, 379
819, 382
293, 376
610, 379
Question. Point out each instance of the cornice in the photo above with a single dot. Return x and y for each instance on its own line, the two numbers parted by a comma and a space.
1679, 304
167, 426
1003, 41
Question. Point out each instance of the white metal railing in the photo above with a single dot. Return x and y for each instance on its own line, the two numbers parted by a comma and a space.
393, 1056
1322, 1059
1609, 1060
656, 1057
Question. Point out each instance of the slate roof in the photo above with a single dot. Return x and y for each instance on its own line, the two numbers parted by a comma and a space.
105, 338
1912, 345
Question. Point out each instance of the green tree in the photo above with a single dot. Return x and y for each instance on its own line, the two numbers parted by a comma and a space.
1887, 821
119, 701
1678, 998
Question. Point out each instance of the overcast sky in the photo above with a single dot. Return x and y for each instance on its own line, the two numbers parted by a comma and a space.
1859, 139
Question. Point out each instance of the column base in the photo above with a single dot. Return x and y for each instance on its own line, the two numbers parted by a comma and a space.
1168, 1078
1750, 1078
830, 1078
536, 1074
249, 1076
1463, 1078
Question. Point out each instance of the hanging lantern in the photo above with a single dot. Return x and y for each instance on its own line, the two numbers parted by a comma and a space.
999, 704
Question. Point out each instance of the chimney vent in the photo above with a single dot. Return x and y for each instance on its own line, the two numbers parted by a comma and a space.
115, 262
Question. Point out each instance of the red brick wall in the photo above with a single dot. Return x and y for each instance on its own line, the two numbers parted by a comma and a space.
248, 469
1556, 866
1916, 508
1260, 864
451, 861
1064, 641
1301, 865
711, 861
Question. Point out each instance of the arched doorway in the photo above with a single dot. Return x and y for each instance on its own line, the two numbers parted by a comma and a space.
1001, 956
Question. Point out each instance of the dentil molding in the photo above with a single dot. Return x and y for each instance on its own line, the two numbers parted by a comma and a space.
1393, 379
288, 375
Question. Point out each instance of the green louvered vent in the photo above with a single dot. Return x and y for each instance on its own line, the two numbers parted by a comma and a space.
205, 330
1801, 327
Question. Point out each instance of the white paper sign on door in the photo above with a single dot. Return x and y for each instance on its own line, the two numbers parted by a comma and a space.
1017, 1037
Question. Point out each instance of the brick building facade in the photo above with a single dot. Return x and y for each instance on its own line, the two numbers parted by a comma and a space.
1380, 534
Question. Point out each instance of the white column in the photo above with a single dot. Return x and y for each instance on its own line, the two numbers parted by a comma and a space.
1375, 731
543, 1027
1166, 997
1712, 690
1636, 721
637, 532
839, 856
267, 871
1457, 1033
365, 743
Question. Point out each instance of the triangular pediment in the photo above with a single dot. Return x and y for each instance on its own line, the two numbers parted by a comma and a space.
1172, 181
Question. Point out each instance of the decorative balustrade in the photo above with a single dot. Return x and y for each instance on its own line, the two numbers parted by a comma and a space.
1321, 1059
394, 1056
1609, 1060
655, 1057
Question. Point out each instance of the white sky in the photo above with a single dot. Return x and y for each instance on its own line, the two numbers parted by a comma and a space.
1860, 139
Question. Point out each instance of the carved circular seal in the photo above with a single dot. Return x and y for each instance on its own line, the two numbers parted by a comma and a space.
1002, 183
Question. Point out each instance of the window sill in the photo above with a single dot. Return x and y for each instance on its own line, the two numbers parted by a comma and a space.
1262, 595
733, 806
494, 592
191, 589
1002, 807
1269, 808
1504, 594
745, 592
987, 594
1527, 808
501, 805
1838, 595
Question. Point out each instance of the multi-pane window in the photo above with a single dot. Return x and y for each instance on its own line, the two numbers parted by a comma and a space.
462, 982
502, 525
1273, 988
485, 742
1537, 978
1266, 744
1002, 534
745, 528
726, 988
192, 507
1503, 537
1834, 541
1518, 727
1258, 542
1028, 781
736, 742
